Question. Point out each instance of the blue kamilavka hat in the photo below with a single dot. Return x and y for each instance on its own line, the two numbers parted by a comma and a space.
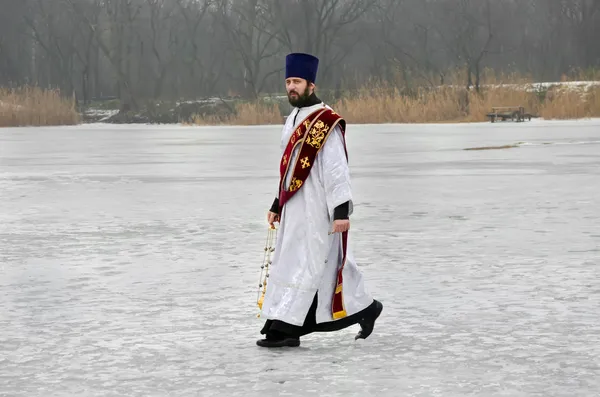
301, 65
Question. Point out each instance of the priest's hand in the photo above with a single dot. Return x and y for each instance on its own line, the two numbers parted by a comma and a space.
341, 225
272, 217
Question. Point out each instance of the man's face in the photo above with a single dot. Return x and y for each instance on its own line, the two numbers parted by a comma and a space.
298, 90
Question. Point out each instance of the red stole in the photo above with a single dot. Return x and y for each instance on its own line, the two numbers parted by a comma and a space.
311, 134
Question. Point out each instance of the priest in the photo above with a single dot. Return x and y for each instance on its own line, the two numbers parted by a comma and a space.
314, 283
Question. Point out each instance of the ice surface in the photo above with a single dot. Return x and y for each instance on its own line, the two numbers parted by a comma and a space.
130, 255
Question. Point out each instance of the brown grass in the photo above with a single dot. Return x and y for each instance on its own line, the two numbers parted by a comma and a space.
436, 105
33, 106
251, 113
410, 99
420, 102
382, 105
593, 102
482, 103
561, 103
455, 104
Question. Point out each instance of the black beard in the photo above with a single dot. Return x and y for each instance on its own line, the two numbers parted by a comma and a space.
301, 100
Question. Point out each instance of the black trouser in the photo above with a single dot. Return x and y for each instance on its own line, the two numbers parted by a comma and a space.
276, 329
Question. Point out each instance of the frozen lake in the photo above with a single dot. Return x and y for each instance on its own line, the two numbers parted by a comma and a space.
130, 257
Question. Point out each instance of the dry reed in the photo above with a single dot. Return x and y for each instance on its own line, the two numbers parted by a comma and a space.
410, 99
380, 105
33, 106
251, 113
562, 103
436, 105
423, 102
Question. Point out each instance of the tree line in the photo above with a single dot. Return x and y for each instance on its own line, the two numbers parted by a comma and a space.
186, 49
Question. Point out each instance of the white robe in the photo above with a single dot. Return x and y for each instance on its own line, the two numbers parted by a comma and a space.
306, 258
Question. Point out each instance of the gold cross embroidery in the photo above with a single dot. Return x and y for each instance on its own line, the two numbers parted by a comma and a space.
317, 134
295, 184
284, 159
305, 162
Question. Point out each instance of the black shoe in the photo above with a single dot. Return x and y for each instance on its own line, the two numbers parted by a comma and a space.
367, 324
285, 342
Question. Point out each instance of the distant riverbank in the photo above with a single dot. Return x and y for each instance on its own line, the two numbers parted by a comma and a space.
376, 104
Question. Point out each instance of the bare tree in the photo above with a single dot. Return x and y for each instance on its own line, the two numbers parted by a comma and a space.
48, 28
317, 26
141, 49
115, 40
467, 33
163, 39
202, 71
15, 46
247, 26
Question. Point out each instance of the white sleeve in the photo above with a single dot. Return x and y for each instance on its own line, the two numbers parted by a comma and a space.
335, 172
